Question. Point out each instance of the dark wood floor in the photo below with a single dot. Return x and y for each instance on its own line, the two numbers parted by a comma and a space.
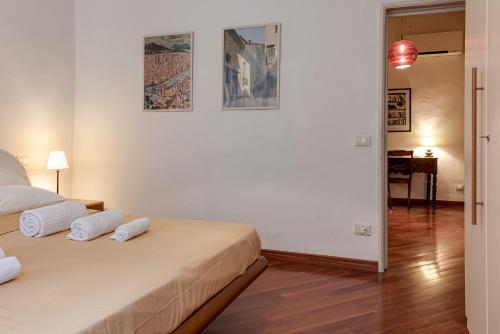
422, 292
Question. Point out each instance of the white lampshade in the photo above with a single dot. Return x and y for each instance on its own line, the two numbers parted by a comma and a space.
428, 142
57, 160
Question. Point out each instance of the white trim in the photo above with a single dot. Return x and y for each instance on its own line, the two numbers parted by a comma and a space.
484, 166
382, 180
453, 7
401, 4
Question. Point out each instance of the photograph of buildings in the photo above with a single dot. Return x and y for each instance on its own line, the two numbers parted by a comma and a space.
168, 72
251, 67
399, 110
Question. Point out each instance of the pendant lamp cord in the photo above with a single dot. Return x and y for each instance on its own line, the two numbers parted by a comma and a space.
401, 26
403, 23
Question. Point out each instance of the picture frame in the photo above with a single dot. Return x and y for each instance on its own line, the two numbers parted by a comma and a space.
168, 72
399, 110
251, 60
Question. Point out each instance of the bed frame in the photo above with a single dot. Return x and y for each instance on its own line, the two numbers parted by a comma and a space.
202, 317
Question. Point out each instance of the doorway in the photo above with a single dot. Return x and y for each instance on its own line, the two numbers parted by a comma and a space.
423, 118
424, 149
424, 165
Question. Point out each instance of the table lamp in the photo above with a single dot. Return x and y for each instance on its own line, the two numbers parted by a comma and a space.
57, 161
428, 143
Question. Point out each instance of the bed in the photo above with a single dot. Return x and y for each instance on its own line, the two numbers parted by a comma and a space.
175, 278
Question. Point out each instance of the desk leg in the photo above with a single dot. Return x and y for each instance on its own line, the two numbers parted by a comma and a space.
434, 190
428, 189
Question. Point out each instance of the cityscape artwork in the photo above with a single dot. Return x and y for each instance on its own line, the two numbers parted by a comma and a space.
251, 62
399, 110
168, 64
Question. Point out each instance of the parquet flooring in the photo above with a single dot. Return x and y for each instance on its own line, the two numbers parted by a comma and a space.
422, 292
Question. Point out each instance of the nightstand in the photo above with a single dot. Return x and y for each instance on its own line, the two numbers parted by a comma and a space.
92, 204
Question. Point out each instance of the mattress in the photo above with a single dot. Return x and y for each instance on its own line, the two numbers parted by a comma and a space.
149, 284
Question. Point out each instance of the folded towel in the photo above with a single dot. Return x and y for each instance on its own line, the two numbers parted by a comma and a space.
9, 268
130, 230
51, 219
93, 226
2, 253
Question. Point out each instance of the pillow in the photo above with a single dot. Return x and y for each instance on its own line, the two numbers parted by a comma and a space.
21, 198
11, 171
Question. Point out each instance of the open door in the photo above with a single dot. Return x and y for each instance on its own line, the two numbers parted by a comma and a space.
482, 158
475, 157
492, 170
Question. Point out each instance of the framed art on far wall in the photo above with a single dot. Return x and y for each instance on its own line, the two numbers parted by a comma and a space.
399, 110
251, 67
168, 72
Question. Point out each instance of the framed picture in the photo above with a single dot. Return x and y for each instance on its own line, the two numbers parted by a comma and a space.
399, 110
168, 72
251, 67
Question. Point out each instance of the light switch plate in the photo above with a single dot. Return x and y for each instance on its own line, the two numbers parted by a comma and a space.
363, 141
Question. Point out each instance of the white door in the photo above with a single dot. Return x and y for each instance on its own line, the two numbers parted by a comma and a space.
492, 168
475, 235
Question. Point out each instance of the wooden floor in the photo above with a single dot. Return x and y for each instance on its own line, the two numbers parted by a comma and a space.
422, 292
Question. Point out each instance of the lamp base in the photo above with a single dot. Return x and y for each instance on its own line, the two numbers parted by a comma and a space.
428, 153
57, 182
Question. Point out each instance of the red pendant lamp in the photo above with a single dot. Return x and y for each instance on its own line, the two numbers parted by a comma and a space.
402, 53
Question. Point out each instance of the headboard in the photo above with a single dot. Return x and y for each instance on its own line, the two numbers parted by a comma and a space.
11, 171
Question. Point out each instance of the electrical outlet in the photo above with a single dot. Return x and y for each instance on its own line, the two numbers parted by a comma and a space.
459, 187
362, 229
363, 141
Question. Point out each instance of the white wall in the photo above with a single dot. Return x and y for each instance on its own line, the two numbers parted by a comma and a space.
437, 85
437, 111
292, 173
36, 85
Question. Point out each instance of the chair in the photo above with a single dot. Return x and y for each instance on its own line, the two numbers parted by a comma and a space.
400, 162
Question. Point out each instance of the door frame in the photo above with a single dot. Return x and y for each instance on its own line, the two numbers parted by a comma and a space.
400, 8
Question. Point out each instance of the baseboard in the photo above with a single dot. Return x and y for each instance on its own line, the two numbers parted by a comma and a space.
404, 202
320, 260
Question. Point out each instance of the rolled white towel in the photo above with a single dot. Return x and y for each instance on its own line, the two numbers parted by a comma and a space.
93, 226
9, 268
51, 219
131, 229
2, 253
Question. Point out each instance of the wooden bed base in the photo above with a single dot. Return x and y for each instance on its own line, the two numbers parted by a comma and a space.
202, 317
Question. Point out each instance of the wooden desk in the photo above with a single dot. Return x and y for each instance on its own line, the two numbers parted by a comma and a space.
428, 166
